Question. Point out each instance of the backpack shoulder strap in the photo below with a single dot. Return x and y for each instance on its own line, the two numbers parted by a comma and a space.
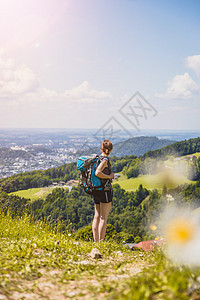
102, 158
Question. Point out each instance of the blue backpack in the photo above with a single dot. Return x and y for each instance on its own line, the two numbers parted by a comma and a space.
88, 165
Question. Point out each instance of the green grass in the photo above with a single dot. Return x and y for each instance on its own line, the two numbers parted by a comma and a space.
172, 175
34, 193
197, 154
152, 181
148, 181
38, 262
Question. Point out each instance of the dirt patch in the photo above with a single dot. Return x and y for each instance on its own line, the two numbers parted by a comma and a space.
42, 192
53, 284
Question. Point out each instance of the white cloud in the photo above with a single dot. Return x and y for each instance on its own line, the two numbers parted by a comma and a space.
181, 86
25, 103
193, 62
16, 80
84, 94
20, 82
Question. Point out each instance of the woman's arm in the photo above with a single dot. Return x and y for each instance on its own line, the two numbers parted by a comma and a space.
99, 171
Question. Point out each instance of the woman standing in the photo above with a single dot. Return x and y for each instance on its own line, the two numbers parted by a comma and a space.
103, 198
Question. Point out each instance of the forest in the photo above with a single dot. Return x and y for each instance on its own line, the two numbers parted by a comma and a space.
36, 179
132, 212
130, 165
131, 215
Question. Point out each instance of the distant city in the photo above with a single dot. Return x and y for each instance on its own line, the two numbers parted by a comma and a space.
25, 150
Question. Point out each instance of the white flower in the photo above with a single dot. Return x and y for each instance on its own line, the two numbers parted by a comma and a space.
169, 197
182, 232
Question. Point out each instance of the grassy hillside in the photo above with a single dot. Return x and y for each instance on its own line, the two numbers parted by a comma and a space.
181, 148
37, 179
34, 193
150, 182
197, 154
173, 175
173, 172
38, 262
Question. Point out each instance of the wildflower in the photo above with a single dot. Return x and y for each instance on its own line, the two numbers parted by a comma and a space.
159, 238
182, 233
153, 227
169, 197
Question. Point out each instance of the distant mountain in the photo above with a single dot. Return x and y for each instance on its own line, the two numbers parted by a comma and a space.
139, 145
135, 146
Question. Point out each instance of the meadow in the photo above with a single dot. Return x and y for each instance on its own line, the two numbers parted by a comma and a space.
173, 173
197, 154
39, 262
151, 182
34, 193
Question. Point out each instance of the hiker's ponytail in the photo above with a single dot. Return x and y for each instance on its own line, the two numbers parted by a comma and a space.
107, 151
106, 147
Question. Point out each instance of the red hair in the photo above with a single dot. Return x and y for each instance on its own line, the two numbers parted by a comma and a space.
106, 146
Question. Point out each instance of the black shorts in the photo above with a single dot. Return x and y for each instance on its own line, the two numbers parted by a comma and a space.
102, 196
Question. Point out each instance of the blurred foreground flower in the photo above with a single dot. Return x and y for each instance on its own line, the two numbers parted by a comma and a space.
169, 197
153, 227
182, 233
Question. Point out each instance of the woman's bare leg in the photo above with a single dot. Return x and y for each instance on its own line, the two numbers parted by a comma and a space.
95, 223
104, 212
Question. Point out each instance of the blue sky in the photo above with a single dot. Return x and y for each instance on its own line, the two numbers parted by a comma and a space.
74, 63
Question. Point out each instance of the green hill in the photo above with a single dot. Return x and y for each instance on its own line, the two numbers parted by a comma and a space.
153, 173
139, 145
140, 177
66, 172
45, 243
151, 182
177, 149
134, 146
